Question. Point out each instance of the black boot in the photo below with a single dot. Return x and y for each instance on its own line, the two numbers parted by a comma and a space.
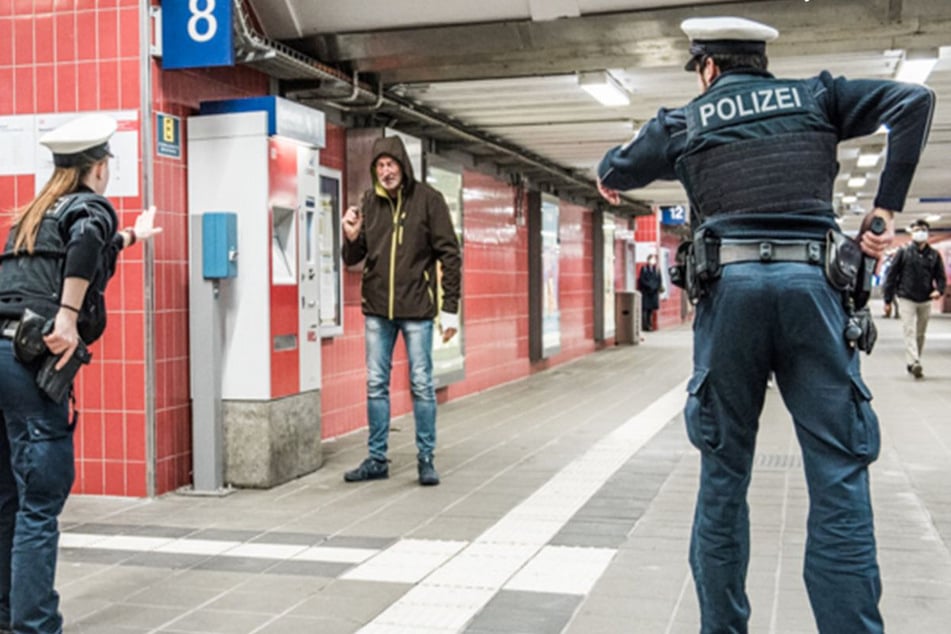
369, 469
427, 472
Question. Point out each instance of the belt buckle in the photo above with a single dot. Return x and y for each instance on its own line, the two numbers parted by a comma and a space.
765, 251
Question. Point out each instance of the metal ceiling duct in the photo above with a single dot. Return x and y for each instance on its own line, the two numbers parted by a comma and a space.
335, 90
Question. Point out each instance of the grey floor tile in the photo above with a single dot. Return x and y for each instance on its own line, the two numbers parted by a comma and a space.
511, 612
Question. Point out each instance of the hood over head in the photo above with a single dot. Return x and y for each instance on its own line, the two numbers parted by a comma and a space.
393, 146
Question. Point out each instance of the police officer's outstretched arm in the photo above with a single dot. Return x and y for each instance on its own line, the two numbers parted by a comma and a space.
639, 162
863, 106
87, 244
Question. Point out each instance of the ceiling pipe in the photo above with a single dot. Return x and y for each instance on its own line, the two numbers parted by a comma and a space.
283, 62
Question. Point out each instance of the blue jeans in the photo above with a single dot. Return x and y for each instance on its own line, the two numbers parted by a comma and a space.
380, 339
783, 317
36, 474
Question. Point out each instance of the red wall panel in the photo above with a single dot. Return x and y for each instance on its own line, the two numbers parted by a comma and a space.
80, 55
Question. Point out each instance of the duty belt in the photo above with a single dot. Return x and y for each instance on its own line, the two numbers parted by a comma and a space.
8, 328
809, 251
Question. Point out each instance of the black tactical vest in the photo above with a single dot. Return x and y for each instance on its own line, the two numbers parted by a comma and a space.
35, 280
757, 145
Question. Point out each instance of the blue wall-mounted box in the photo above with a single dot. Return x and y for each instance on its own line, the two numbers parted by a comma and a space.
219, 244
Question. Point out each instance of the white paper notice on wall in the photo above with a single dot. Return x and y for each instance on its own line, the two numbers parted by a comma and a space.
123, 167
17, 144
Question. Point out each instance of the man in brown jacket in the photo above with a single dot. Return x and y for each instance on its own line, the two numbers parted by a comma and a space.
400, 231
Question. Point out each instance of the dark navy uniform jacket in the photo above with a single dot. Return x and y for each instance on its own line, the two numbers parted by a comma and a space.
757, 154
77, 238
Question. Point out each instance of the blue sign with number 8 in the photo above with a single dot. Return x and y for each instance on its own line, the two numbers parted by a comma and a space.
197, 33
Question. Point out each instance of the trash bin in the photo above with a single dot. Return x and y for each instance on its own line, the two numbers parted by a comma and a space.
627, 319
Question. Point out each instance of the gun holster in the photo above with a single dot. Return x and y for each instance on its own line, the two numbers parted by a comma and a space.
57, 383
30, 350
28, 344
861, 332
843, 261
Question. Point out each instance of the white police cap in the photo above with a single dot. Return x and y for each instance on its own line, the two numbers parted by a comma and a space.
82, 141
709, 36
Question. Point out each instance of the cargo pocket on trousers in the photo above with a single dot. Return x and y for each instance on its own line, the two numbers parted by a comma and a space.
702, 428
865, 437
43, 429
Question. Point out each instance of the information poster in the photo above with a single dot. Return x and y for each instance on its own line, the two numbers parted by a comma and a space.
448, 357
331, 284
551, 313
608, 227
21, 152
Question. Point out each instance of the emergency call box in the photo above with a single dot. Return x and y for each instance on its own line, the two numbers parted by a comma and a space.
219, 242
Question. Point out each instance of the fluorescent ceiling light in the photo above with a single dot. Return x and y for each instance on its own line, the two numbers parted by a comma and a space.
603, 87
856, 181
933, 218
848, 200
915, 67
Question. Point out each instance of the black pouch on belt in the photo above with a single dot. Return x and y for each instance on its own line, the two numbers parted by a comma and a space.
28, 344
57, 383
843, 261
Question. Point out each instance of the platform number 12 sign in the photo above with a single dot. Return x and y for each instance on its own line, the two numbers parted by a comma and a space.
197, 33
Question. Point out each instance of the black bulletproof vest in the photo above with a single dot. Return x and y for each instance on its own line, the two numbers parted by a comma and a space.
35, 280
757, 145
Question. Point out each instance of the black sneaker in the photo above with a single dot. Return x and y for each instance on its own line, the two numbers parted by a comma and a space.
427, 472
369, 469
917, 370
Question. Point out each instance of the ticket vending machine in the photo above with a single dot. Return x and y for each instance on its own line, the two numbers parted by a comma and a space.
259, 157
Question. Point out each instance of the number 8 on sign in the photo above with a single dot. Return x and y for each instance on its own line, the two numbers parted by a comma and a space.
203, 17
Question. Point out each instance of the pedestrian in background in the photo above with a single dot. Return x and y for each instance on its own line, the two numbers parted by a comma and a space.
401, 229
756, 155
916, 277
650, 284
60, 254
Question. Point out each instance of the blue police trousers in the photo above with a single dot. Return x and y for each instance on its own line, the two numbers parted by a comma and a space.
36, 474
785, 317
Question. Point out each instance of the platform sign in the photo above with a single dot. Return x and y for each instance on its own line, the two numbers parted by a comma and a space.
675, 215
168, 130
197, 33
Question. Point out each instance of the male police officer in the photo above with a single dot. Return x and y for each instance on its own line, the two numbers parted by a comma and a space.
757, 157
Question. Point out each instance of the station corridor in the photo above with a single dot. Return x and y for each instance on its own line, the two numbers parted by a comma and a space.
565, 506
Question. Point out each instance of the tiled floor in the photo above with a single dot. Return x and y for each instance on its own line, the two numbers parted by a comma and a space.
565, 506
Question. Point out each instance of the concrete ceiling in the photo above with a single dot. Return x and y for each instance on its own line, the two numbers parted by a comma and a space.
507, 69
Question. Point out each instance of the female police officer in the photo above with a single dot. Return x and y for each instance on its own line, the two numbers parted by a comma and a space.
60, 254
757, 157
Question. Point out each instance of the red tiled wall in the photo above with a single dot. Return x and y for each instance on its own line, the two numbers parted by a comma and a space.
179, 93
646, 228
343, 377
68, 56
79, 55
672, 308
495, 307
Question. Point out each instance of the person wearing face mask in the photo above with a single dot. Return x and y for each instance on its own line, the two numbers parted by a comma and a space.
649, 284
916, 277
756, 155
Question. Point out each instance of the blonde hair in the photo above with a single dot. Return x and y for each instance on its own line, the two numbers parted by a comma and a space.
64, 181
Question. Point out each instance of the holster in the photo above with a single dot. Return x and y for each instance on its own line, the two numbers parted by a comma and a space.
861, 332
697, 264
28, 344
57, 383
843, 261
